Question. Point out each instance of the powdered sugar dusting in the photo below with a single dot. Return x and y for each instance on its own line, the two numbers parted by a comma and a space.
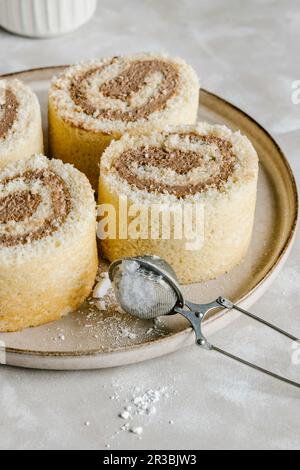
102, 322
140, 406
104, 316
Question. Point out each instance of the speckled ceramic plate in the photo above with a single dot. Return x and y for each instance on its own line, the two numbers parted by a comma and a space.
89, 339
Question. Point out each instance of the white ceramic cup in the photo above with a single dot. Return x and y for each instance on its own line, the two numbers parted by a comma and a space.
45, 18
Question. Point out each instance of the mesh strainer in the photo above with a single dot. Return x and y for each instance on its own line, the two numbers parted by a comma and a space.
147, 287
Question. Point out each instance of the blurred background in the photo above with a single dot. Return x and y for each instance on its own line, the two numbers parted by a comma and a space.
245, 50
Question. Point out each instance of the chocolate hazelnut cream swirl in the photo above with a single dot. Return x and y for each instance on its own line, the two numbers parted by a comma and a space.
187, 165
20, 122
48, 250
8, 110
33, 205
208, 163
108, 97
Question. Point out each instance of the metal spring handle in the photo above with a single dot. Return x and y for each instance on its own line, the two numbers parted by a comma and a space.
196, 314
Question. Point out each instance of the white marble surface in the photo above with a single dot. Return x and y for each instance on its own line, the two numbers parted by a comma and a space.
248, 52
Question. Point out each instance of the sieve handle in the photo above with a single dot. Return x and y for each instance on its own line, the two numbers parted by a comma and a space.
195, 318
255, 367
197, 314
229, 305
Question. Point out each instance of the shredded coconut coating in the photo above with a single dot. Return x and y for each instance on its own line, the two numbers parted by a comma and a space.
26, 106
186, 162
118, 94
41, 200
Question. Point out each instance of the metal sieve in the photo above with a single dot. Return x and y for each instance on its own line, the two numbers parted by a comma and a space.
147, 287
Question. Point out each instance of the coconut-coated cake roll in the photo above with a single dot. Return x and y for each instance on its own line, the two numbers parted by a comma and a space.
20, 122
48, 253
94, 102
208, 169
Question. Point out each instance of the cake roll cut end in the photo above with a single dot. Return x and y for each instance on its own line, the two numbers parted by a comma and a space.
187, 195
116, 94
48, 251
20, 122
40, 201
189, 162
95, 102
23, 205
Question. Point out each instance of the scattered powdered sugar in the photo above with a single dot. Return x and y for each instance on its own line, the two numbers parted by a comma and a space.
137, 430
118, 328
144, 402
101, 324
101, 305
103, 317
140, 406
60, 336
125, 414
127, 333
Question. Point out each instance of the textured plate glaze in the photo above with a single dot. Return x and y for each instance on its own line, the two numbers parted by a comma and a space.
89, 339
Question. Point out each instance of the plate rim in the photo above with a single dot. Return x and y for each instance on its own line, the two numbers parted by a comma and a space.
280, 260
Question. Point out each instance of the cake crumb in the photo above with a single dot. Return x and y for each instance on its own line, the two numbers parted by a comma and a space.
137, 430
102, 288
101, 305
125, 415
125, 427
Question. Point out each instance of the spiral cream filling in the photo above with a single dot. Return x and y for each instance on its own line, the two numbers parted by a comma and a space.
8, 111
138, 90
32, 206
179, 171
